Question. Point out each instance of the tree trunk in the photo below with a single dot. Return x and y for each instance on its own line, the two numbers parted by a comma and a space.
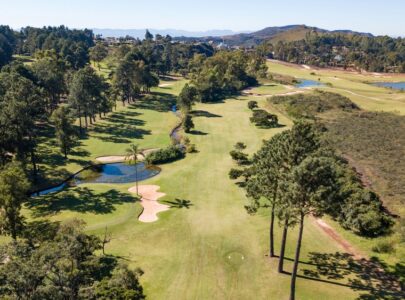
136, 178
80, 121
272, 231
282, 249
85, 120
296, 259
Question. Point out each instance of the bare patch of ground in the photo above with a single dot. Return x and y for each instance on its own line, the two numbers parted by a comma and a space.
338, 238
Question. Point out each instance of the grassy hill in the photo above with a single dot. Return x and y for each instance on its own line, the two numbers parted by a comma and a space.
273, 34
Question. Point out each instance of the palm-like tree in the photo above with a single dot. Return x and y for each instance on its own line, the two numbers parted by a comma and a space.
132, 158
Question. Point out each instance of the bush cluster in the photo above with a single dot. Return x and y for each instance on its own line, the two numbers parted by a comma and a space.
166, 155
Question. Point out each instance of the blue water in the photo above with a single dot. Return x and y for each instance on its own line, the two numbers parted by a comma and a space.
110, 173
304, 83
392, 85
51, 190
121, 173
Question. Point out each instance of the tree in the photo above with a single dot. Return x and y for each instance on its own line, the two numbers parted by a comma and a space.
187, 98
49, 74
266, 176
21, 106
98, 53
88, 95
148, 35
307, 189
252, 105
132, 158
187, 123
64, 128
124, 80
14, 188
65, 265
7, 44
122, 285
238, 155
263, 118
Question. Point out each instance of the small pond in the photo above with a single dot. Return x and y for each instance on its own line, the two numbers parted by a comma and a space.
304, 83
108, 173
391, 85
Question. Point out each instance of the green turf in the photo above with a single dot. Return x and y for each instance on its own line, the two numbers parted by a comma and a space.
195, 252
146, 122
353, 85
210, 248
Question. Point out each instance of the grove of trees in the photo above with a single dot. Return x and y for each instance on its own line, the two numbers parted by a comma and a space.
374, 54
297, 175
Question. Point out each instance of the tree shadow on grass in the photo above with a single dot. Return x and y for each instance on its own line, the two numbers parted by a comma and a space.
180, 203
204, 113
197, 132
379, 280
81, 199
161, 102
119, 133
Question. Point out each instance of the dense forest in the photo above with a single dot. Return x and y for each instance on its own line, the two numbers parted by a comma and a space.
374, 54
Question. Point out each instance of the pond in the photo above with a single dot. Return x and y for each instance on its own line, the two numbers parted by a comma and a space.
391, 85
305, 83
108, 173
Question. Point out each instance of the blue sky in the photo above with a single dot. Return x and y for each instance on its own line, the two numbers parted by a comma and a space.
376, 16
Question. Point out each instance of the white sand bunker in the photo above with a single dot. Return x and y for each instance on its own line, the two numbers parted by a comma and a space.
122, 158
165, 84
151, 207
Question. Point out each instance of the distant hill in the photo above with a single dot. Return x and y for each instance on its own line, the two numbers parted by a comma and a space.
273, 34
140, 33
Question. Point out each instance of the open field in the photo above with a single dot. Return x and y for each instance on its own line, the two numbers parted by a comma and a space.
206, 246
352, 85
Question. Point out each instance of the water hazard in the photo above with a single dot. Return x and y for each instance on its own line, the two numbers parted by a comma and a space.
108, 173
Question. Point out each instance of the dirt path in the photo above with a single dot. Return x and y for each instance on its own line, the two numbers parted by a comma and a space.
338, 238
355, 94
151, 207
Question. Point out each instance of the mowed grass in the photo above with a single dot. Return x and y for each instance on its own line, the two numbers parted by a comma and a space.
147, 123
355, 86
211, 249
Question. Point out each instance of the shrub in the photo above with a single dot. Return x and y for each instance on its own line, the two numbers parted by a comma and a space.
239, 157
308, 106
190, 148
166, 155
235, 173
384, 247
363, 213
240, 146
263, 118
252, 105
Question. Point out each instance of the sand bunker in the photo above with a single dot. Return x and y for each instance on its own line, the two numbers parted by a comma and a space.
165, 84
121, 158
151, 207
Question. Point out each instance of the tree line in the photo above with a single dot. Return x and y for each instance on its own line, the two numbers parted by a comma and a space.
296, 174
374, 54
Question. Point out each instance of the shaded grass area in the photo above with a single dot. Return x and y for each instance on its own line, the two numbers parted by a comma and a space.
80, 199
147, 122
